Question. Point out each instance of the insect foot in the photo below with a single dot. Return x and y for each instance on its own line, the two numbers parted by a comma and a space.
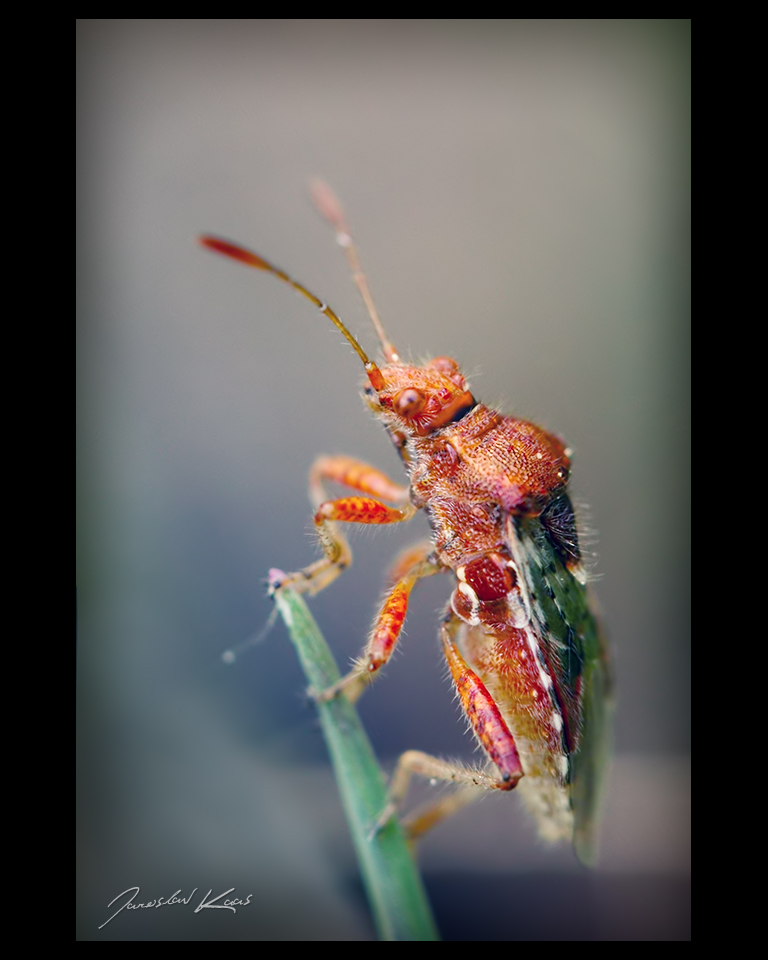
275, 580
351, 686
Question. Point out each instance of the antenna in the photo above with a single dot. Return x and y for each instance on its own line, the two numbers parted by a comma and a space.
329, 206
254, 260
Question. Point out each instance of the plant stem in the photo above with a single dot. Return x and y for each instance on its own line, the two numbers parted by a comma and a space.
392, 881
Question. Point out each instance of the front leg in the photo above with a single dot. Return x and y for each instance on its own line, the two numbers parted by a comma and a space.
356, 475
338, 555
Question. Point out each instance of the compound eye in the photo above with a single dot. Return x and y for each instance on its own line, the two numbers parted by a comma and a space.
408, 403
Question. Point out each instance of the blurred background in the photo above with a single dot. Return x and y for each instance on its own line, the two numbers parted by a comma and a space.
519, 193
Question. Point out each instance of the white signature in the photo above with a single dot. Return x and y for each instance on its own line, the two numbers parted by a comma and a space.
205, 903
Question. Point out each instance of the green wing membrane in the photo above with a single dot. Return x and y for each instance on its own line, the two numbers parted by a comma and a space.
578, 661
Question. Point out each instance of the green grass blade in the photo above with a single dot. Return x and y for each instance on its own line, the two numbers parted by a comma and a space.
395, 890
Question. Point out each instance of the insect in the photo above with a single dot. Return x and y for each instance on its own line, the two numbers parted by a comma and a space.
525, 651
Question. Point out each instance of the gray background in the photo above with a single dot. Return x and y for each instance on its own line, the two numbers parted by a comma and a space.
519, 193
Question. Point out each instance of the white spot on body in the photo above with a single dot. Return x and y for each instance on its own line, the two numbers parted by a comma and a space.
557, 721
469, 593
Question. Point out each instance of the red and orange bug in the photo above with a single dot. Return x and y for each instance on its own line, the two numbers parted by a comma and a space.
524, 649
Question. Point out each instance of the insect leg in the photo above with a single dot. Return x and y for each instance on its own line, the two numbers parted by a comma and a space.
317, 576
488, 726
421, 821
408, 558
386, 630
355, 474
338, 555
484, 716
470, 782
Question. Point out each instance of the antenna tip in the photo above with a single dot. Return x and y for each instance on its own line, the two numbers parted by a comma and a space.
235, 251
327, 203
